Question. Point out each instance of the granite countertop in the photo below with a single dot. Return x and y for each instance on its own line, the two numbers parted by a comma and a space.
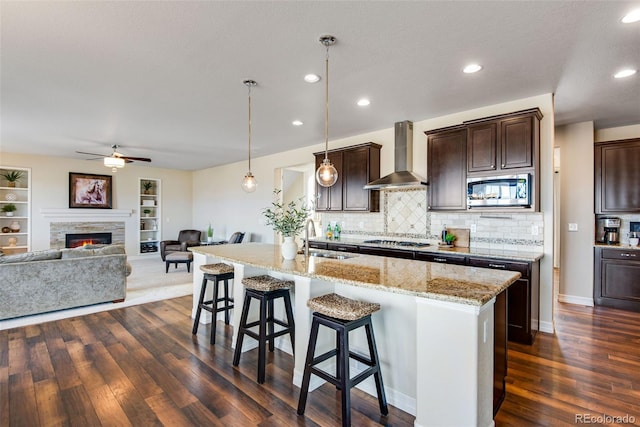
618, 246
434, 248
445, 282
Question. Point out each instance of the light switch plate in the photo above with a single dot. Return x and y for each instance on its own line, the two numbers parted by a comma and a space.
573, 226
472, 228
534, 230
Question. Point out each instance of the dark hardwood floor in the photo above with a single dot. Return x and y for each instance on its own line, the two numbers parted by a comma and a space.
140, 366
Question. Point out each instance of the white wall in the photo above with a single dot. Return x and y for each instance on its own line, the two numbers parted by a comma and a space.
576, 206
50, 189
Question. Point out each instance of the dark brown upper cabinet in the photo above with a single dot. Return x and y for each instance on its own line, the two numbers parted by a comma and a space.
617, 176
357, 165
446, 169
503, 143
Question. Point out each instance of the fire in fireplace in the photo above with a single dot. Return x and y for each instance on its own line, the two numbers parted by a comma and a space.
83, 239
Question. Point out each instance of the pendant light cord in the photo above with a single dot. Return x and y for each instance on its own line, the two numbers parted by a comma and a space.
326, 104
249, 96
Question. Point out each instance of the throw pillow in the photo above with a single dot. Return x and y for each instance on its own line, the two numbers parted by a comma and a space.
45, 255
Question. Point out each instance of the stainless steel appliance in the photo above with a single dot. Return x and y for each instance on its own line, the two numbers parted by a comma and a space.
499, 191
608, 230
402, 177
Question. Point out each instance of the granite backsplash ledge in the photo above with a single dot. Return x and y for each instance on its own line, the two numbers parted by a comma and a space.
403, 215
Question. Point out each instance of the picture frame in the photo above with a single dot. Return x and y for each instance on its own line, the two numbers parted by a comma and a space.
90, 191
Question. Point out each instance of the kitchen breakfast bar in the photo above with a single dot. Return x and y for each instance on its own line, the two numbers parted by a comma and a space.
434, 331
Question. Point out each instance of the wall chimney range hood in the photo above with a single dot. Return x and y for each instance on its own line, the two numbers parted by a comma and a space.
402, 177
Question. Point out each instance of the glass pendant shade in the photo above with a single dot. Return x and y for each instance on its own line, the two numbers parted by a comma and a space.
249, 183
327, 174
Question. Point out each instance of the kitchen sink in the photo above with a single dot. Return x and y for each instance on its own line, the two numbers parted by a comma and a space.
330, 255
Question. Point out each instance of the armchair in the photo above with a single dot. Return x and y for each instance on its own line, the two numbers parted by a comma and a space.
186, 238
236, 237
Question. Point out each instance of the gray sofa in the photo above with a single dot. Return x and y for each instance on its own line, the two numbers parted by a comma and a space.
43, 281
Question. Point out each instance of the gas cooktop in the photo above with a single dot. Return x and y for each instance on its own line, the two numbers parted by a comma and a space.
397, 243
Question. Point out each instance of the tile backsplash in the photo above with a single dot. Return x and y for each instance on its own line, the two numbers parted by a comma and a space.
404, 216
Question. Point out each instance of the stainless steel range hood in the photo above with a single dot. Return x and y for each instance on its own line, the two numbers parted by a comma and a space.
402, 177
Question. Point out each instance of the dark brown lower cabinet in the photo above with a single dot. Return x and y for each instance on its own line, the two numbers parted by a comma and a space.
523, 297
617, 278
499, 350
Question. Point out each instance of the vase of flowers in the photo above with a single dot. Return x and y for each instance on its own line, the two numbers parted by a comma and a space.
288, 220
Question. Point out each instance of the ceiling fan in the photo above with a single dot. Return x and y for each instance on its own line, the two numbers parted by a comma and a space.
115, 160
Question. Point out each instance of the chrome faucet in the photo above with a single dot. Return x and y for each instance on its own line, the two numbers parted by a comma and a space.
306, 235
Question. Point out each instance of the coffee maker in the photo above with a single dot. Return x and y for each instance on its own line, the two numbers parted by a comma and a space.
608, 230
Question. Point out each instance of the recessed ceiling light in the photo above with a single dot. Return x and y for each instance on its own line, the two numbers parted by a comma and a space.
633, 16
363, 102
297, 123
472, 68
625, 73
312, 78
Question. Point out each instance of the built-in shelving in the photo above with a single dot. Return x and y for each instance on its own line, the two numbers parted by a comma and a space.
17, 194
150, 218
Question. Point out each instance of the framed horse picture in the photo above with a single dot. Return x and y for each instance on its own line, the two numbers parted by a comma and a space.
90, 191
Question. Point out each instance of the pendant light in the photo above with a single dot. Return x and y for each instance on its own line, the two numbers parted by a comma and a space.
326, 175
249, 181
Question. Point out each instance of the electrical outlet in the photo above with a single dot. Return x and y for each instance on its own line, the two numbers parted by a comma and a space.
473, 228
573, 226
534, 230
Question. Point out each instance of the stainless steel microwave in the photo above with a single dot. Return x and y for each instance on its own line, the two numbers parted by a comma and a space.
499, 191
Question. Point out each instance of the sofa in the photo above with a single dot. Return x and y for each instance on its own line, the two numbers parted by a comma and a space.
57, 279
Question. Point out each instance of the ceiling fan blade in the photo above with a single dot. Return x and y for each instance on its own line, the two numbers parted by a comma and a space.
137, 159
91, 154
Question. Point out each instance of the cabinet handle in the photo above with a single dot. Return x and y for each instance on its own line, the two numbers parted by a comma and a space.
497, 265
493, 166
503, 165
628, 255
440, 259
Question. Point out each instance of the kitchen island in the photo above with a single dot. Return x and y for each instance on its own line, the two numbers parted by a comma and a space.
434, 332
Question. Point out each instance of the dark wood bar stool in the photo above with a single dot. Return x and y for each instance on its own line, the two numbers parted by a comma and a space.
342, 315
265, 289
216, 273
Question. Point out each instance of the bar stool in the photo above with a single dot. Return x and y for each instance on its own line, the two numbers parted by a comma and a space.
265, 289
216, 273
342, 315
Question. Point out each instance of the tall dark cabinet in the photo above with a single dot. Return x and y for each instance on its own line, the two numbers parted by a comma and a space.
446, 168
357, 165
617, 176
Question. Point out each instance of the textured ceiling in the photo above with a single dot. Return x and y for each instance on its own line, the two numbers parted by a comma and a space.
164, 79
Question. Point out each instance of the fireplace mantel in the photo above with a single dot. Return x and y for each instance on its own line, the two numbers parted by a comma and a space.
85, 213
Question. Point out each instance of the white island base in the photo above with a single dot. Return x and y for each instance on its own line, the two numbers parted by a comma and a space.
436, 356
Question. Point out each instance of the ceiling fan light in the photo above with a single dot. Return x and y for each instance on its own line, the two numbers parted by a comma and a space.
113, 162
249, 183
326, 175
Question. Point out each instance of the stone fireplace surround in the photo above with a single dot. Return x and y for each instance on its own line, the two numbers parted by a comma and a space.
58, 231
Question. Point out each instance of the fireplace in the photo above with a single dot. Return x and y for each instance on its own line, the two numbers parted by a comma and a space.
73, 240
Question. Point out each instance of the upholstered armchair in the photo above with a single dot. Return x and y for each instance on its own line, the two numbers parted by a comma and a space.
236, 237
186, 238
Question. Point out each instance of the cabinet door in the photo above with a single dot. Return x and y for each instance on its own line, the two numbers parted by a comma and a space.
481, 147
617, 176
616, 279
330, 198
447, 166
516, 143
355, 164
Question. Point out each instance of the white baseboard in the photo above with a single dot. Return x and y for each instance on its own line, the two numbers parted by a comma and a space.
546, 327
572, 299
